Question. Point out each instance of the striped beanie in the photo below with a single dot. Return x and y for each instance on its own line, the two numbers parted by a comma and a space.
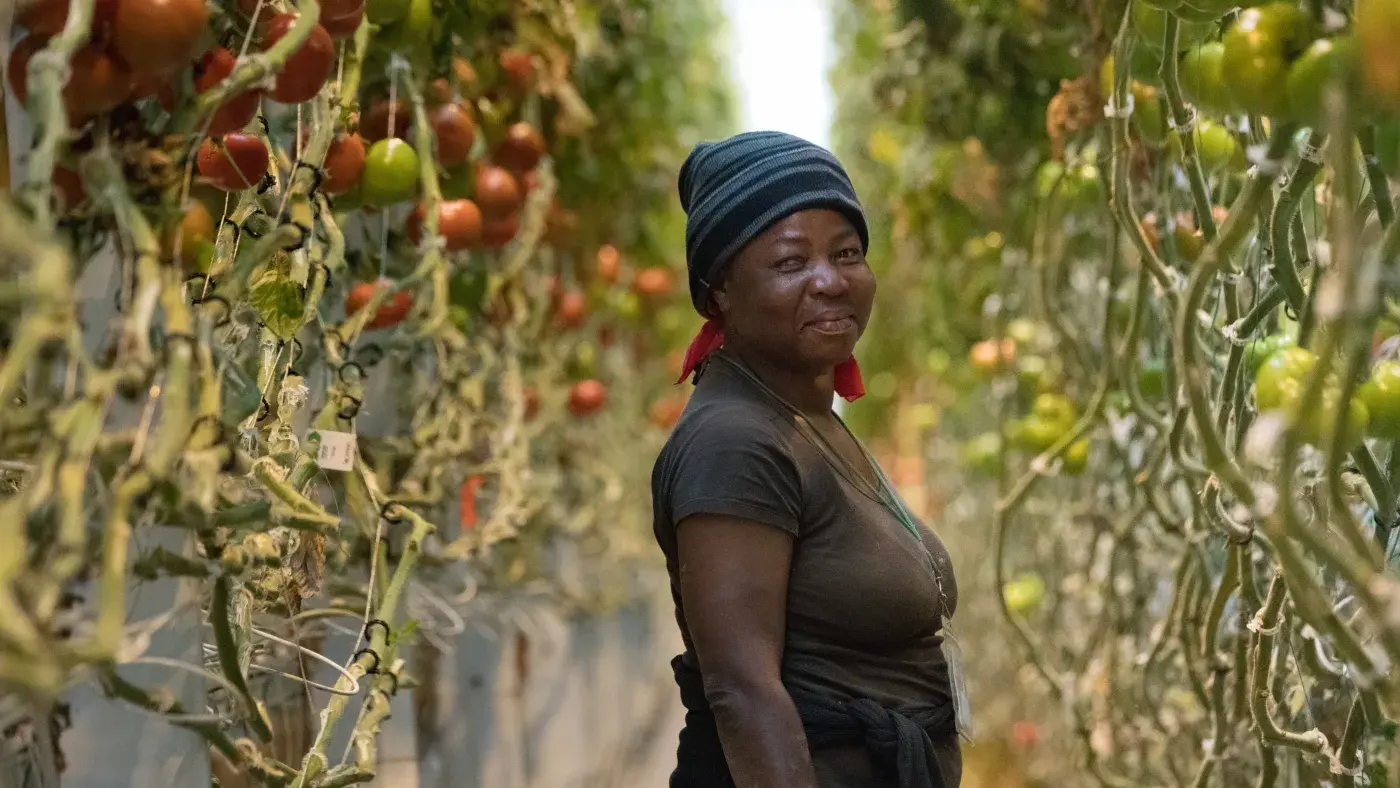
734, 189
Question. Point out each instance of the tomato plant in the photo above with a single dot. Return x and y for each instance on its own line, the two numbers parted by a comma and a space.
214, 67
521, 149
497, 192
459, 224
389, 314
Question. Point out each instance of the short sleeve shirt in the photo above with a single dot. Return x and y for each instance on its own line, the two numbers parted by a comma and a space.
864, 608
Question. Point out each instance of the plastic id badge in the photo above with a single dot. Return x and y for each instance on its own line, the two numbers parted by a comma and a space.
952, 652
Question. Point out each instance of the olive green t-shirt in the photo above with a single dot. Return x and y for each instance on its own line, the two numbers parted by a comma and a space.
863, 608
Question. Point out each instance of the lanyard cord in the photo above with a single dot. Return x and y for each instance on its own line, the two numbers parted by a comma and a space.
885, 493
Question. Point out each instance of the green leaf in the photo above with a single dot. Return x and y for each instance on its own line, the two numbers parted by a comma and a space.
278, 300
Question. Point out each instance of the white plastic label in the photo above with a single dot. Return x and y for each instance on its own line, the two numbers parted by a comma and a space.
337, 451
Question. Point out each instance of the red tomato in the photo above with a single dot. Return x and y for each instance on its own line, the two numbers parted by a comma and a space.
455, 133
522, 148
497, 192
158, 36
572, 309
47, 17
345, 160
654, 282
308, 68
374, 125
391, 312
587, 397
68, 188
345, 24
236, 162
519, 68
213, 68
499, 232
18, 69
459, 224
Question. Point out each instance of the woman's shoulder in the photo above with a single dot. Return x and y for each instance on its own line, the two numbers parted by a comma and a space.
729, 416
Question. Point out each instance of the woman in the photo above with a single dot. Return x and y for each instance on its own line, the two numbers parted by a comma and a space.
810, 602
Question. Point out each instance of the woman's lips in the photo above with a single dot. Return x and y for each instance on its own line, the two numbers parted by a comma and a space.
837, 325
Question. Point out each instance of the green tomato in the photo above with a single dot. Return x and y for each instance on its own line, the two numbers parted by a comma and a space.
1076, 457
1022, 330
1258, 48
1282, 377
1054, 408
583, 364
408, 33
1034, 373
1217, 147
383, 12
1151, 25
1025, 593
983, 453
1147, 113
1202, 77
1381, 396
391, 172
1152, 378
1038, 433
1328, 65
1257, 351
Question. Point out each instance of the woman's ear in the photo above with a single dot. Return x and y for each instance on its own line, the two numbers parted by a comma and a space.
716, 304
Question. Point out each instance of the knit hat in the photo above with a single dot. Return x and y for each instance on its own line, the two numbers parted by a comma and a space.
735, 189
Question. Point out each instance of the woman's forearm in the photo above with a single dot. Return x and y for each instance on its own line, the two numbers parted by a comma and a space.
762, 736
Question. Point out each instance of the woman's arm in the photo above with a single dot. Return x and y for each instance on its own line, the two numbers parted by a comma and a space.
734, 579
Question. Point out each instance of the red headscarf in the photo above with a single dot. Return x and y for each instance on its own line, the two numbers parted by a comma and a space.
711, 338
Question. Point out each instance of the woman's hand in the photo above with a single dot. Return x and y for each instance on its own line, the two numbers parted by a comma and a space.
734, 582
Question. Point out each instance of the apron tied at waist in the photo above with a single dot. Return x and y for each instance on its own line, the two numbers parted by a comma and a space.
898, 742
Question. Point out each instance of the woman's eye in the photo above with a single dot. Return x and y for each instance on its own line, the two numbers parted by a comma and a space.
789, 263
848, 255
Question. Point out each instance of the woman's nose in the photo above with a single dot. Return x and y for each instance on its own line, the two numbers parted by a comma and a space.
828, 278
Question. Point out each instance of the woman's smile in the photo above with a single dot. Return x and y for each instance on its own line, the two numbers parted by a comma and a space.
834, 325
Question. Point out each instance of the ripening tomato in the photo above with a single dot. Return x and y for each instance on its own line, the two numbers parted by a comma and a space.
665, 412
235, 162
1381, 396
308, 68
654, 282
499, 232
522, 148
97, 83
1328, 67
158, 36
607, 264
390, 173
214, 67
455, 133
1148, 118
374, 124
390, 313
459, 224
1377, 29
983, 355
1258, 48
187, 242
1280, 386
345, 161
519, 68
572, 309
497, 192
1202, 77
587, 397
1282, 376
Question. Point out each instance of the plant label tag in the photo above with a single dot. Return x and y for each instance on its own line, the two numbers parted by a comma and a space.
337, 450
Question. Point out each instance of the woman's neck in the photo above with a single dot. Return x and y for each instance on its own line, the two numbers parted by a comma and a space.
810, 395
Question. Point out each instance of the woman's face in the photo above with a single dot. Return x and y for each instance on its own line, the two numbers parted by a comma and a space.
799, 294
